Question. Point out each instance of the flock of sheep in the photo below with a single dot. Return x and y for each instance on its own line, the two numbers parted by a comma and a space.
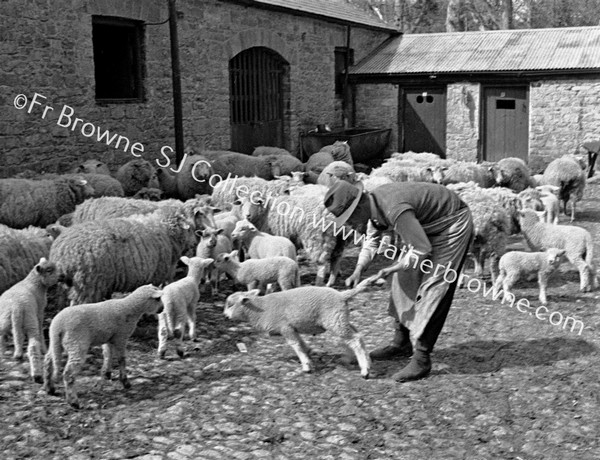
219, 213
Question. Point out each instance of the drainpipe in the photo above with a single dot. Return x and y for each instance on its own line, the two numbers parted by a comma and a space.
176, 77
345, 101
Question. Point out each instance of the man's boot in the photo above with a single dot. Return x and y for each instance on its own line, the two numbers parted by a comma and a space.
400, 346
418, 367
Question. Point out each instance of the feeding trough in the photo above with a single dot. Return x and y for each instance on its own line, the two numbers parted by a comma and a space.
366, 144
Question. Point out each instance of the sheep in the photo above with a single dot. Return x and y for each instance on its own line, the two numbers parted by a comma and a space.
22, 310
39, 203
315, 165
150, 194
461, 171
549, 198
102, 184
284, 164
404, 170
98, 258
135, 175
191, 178
516, 263
566, 173
424, 157
180, 299
20, 251
225, 163
212, 243
576, 241
92, 167
338, 170
226, 220
259, 272
264, 150
303, 218
109, 323
340, 151
512, 173
371, 183
232, 188
303, 310
260, 245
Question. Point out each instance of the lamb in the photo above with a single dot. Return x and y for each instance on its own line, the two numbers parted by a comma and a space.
98, 258
260, 245
258, 273
516, 263
39, 203
20, 251
306, 310
212, 243
512, 173
110, 324
135, 175
566, 173
180, 299
549, 198
92, 167
576, 241
22, 310
227, 220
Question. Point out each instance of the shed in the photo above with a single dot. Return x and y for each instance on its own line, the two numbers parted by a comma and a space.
487, 95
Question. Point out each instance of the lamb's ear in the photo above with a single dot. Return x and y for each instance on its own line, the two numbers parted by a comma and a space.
234, 253
185, 260
42, 260
237, 202
157, 294
198, 233
208, 261
221, 230
215, 209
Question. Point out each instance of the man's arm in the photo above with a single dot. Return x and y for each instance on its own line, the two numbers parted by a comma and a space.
369, 248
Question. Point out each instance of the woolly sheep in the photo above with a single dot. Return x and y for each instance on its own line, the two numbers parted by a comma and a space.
340, 151
22, 311
516, 263
258, 273
576, 241
102, 184
315, 165
463, 172
302, 218
180, 299
232, 164
231, 189
92, 167
338, 170
260, 245
100, 257
264, 150
20, 251
416, 156
39, 202
512, 173
150, 194
303, 310
404, 171
110, 324
212, 243
566, 173
284, 164
192, 177
135, 175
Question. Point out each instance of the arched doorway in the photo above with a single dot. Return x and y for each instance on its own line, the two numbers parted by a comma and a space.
256, 88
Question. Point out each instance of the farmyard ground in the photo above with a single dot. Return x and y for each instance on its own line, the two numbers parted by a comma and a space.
504, 385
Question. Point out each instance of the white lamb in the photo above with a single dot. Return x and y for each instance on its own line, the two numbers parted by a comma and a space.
180, 299
576, 241
212, 243
514, 264
260, 245
306, 310
22, 309
258, 273
226, 220
549, 198
109, 323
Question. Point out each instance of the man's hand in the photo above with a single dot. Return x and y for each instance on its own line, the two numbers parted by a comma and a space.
353, 279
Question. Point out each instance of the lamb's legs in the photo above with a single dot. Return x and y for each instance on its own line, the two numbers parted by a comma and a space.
34, 348
163, 335
191, 321
107, 354
543, 282
49, 374
584, 274
295, 341
509, 280
72, 369
18, 337
357, 345
119, 351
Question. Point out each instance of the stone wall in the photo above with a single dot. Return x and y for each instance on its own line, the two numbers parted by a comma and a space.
462, 121
49, 51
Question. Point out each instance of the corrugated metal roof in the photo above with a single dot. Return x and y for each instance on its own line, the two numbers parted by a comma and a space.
339, 10
569, 48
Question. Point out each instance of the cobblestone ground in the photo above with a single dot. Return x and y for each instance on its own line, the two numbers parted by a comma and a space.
504, 385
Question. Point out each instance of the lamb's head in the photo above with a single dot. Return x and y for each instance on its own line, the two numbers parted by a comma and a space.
209, 236
529, 216
531, 199
150, 296
253, 207
223, 261
46, 272
547, 190
243, 229
555, 256
238, 304
204, 216
438, 173
92, 167
179, 227
197, 265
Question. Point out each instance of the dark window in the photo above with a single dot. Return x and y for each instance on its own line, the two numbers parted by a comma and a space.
506, 104
118, 59
340, 67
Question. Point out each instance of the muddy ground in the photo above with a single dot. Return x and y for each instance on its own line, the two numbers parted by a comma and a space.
504, 385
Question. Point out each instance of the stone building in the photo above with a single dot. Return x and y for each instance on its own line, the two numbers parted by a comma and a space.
252, 72
474, 96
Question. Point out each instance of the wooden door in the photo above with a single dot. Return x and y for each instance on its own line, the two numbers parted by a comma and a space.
423, 120
256, 95
505, 123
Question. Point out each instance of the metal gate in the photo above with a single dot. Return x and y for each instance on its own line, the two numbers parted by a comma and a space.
256, 95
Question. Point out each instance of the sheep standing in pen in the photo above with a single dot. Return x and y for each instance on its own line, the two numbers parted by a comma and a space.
258, 273
512, 173
192, 177
135, 175
22, 311
212, 243
98, 258
340, 151
40, 202
514, 264
235, 164
576, 241
566, 173
102, 184
180, 299
229, 190
315, 165
109, 323
264, 150
338, 170
260, 245
92, 167
304, 310
463, 172
303, 219
226, 220
20, 251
